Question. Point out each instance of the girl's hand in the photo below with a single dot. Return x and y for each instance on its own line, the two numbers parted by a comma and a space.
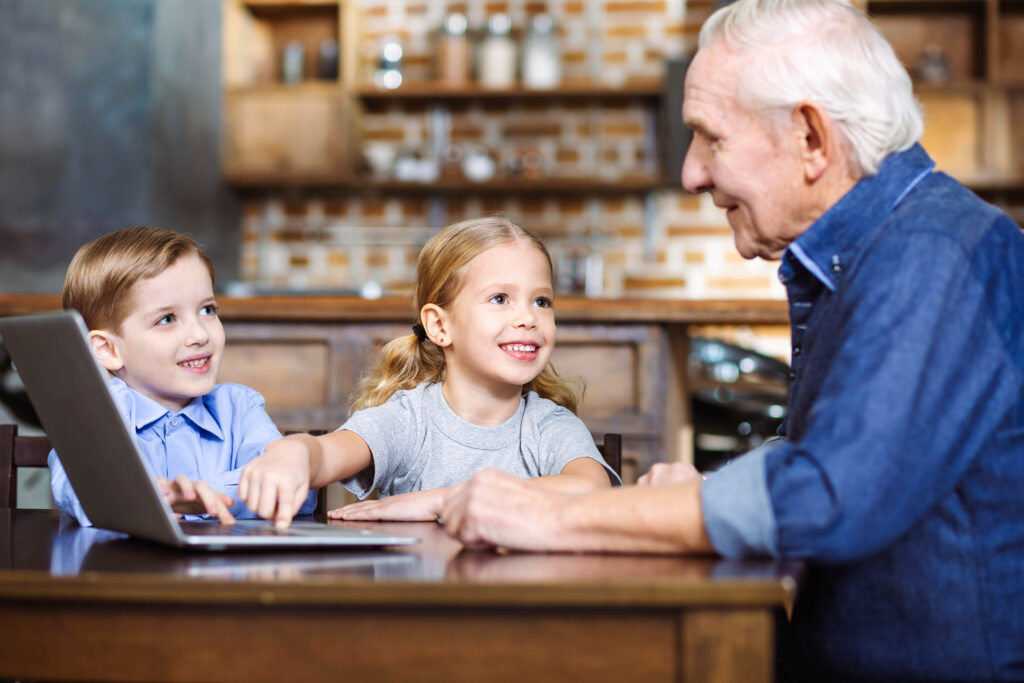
662, 474
196, 498
418, 506
275, 484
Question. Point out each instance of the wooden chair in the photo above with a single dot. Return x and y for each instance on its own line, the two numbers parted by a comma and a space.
611, 451
18, 451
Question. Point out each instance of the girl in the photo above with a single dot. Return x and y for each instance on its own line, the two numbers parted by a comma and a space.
471, 387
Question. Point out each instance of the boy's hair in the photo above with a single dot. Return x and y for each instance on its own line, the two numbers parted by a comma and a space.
406, 362
101, 275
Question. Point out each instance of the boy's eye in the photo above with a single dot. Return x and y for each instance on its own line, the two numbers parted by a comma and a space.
208, 309
499, 299
543, 302
166, 320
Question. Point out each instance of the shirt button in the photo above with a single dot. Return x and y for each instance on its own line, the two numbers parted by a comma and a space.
797, 350
792, 375
176, 422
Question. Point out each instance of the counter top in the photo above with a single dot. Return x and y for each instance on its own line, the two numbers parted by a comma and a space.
568, 309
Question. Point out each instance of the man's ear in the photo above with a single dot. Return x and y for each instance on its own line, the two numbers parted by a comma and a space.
818, 139
435, 321
104, 345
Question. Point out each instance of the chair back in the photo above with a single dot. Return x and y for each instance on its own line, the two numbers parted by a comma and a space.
18, 451
611, 451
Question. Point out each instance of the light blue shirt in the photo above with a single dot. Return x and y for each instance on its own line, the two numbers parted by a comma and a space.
211, 439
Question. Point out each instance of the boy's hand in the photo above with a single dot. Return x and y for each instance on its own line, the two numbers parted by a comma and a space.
418, 506
197, 498
275, 484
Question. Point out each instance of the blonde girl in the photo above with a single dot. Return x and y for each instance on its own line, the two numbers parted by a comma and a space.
471, 387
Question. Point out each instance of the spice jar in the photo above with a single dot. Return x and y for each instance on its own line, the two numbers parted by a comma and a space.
498, 54
541, 68
453, 51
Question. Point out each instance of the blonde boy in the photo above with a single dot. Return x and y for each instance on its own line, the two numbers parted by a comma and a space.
146, 295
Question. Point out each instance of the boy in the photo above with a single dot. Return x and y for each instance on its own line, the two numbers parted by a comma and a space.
146, 295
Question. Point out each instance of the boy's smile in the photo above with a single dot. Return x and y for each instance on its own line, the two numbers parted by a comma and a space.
170, 345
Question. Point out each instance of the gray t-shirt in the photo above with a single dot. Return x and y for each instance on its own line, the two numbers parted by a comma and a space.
418, 442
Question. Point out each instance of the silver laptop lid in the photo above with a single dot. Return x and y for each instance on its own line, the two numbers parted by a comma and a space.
68, 389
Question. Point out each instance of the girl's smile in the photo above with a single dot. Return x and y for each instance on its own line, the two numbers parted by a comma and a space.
520, 350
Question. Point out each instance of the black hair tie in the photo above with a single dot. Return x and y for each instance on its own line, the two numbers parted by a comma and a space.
420, 333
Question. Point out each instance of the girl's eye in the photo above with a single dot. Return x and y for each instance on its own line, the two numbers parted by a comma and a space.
499, 299
543, 302
208, 309
166, 320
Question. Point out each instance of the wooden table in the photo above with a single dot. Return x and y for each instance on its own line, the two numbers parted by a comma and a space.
88, 604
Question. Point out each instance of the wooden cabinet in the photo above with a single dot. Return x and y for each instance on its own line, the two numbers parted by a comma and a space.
967, 61
287, 116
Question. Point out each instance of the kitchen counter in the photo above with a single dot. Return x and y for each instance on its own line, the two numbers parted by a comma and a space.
399, 309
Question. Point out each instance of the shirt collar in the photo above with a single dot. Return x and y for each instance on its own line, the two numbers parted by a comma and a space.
831, 242
145, 411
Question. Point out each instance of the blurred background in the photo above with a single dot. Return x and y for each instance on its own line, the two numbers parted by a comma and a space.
312, 146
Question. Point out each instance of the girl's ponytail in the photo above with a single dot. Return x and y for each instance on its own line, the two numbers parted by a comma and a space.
405, 363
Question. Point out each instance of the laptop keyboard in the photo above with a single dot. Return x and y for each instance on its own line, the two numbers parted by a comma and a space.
239, 529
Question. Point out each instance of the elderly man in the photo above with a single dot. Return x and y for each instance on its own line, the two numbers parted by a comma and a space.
899, 470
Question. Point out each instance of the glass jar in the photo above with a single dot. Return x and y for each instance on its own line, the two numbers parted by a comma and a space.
541, 67
498, 54
388, 75
453, 53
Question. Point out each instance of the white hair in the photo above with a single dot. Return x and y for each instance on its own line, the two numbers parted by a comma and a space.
828, 52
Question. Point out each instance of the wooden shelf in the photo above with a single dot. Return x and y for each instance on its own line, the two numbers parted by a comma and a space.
289, 6
439, 91
545, 185
306, 87
449, 187
969, 120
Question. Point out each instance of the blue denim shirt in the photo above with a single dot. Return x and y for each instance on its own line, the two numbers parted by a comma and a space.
900, 471
211, 439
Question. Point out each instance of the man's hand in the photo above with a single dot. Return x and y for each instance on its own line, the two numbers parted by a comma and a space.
196, 497
275, 484
418, 506
496, 508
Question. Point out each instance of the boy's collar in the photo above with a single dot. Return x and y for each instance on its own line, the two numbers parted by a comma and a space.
144, 411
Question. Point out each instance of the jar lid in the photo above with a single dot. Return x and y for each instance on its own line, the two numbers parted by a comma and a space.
455, 24
499, 24
542, 23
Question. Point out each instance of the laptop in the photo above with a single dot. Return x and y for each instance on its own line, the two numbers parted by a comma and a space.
68, 388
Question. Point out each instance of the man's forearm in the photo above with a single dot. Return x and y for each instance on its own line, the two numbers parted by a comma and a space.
656, 519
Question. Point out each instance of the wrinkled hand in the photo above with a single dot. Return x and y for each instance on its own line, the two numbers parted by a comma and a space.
418, 506
196, 497
496, 508
662, 474
275, 484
